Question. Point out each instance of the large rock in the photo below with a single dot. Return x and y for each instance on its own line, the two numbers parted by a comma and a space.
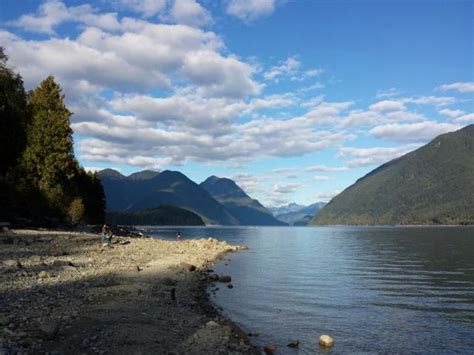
326, 341
294, 344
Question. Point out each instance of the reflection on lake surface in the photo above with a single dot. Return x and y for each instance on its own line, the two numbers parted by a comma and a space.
374, 289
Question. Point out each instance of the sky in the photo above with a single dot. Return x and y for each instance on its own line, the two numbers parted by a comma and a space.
294, 100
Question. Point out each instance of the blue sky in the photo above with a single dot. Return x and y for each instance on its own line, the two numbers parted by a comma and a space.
294, 100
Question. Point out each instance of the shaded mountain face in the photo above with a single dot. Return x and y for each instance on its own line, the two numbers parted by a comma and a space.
162, 216
431, 185
302, 215
246, 210
146, 190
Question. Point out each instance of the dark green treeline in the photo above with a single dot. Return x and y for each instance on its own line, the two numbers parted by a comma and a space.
40, 178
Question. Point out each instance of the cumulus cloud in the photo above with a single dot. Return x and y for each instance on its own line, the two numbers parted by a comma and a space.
373, 156
250, 10
190, 12
147, 8
54, 12
462, 87
412, 132
286, 188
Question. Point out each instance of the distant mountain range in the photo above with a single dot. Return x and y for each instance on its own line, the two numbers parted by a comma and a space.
298, 214
216, 201
146, 190
431, 185
246, 210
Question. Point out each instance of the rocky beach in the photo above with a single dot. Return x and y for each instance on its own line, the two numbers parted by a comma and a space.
67, 292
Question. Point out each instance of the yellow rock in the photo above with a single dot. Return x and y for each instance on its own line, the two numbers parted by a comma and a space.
326, 340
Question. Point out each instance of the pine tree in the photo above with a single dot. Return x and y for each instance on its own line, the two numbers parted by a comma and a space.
49, 156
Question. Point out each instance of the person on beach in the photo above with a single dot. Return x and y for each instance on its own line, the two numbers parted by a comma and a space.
106, 235
178, 236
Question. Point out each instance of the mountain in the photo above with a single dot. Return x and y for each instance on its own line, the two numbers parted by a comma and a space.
291, 207
163, 216
246, 210
300, 216
148, 189
431, 185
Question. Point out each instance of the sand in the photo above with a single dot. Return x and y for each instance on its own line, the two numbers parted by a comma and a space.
67, 293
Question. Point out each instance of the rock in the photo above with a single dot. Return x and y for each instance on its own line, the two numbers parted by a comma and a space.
213, 277
230, 286
59, 263
225, 278
326, 341
44, 274
294, 344
139, 268
69, 268
34, 259
49, 328
188, 267
12, 263
269, 349
212, 324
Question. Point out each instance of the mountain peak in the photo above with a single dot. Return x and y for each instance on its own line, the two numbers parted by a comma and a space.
111, 174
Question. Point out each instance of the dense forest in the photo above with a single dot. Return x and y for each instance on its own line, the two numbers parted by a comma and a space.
163, 215
41, 181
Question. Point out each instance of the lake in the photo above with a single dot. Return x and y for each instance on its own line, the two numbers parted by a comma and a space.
373, 289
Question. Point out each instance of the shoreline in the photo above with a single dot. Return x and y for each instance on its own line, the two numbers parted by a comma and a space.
66, 292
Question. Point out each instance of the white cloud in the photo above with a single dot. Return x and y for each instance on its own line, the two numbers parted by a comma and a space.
286, 188
189, 12
250, 10
54, 12
387, 94
459, 86
373, 156
326, 195
147, 8
326, 169
451, 113
387, 105
430, 100
289, 67
321, 178
412, 132
465, 119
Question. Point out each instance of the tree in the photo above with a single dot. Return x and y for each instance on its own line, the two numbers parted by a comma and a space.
76, 211
14, 117
49, 157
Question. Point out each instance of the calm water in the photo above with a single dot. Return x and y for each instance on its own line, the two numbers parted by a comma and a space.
377, 289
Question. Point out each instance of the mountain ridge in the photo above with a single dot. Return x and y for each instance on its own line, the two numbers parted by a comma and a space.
433, 184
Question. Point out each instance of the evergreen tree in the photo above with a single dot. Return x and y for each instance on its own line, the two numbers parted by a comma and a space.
13, 120
49, 157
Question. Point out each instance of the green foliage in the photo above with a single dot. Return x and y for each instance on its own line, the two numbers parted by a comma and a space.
164, 215
14, 117
432, 185
40, 178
